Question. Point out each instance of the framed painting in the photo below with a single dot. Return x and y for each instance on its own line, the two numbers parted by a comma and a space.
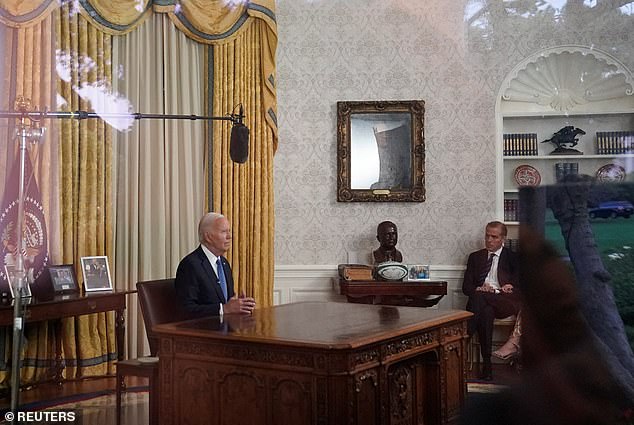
381, 151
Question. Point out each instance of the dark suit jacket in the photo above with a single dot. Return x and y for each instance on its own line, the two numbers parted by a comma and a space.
197, 285
508, 271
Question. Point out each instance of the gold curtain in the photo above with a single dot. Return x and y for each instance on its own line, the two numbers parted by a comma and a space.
244, 41
241, 69
244, 193
86, 183
27, 67
25, 13
245, 32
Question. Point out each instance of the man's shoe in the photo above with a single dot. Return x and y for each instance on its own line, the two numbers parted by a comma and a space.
487, 373
486, 376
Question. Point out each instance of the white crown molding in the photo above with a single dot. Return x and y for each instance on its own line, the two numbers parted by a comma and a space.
563, 77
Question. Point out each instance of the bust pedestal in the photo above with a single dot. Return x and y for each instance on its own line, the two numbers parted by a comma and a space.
411, 294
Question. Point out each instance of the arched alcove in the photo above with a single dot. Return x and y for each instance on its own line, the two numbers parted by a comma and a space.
553, 89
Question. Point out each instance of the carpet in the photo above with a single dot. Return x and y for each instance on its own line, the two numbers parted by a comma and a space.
97, 408
484, 387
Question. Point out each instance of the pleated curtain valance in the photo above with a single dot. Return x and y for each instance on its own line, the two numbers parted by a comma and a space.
214, 22
206, 21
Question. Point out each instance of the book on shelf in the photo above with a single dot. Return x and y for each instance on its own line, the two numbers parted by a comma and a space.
512, 244
615, 142
511, 209
520, 144
562, 169
355, 271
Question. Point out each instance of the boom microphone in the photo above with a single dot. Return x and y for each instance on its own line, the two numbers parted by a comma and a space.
239, 145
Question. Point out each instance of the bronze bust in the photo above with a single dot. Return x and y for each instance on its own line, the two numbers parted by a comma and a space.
387, 235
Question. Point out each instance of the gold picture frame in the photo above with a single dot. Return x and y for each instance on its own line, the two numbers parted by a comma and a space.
381, 151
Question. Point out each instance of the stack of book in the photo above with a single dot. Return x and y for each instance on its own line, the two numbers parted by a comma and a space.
511, 209
520, 144
615, 142
562, 169
512, 244
355, 272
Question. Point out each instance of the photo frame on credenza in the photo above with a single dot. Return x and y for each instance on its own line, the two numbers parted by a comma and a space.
418, 272
96, 274
63, 278
10, 274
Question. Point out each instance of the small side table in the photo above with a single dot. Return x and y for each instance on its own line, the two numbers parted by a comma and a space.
412, 294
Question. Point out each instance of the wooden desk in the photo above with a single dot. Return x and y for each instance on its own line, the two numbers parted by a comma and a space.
412, 294
60, 306
315, 363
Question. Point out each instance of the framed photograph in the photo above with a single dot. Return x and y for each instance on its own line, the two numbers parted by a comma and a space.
63, 278
381, 151
96, 274
418, 273
9, 271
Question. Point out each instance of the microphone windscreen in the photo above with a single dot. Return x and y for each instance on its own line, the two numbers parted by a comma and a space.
239, 145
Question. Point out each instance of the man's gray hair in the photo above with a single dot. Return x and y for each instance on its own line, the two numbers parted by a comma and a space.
206, 222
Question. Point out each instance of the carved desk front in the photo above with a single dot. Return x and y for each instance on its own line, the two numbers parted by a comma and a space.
315, 363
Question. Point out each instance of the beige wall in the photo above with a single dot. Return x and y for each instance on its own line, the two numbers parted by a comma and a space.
333, 50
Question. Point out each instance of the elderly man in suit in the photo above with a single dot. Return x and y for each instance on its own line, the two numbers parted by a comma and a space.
490, 282
204, 282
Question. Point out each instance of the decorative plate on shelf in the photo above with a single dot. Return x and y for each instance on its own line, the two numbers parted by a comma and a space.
525, 175
611, 173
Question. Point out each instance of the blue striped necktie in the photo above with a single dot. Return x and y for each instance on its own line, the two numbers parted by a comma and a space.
487, 267
221, 277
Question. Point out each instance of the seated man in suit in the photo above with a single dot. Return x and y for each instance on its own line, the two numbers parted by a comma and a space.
490, 282
387, 235
204, 282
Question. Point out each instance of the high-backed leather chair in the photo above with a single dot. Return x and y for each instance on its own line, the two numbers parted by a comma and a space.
159, 304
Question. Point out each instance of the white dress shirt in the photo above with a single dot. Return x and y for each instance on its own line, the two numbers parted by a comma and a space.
492, 277
213, 260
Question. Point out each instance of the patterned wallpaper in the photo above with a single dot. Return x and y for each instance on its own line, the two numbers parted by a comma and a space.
451, 54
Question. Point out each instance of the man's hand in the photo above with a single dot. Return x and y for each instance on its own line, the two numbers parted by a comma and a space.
241, 305
507, 288
486, 287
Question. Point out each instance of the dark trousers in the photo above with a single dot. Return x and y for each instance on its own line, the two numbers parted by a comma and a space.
486, 307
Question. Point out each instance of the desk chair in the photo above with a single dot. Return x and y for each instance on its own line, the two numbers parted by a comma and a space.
159, 304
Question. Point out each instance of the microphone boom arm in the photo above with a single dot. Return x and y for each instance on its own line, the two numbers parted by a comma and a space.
81, 115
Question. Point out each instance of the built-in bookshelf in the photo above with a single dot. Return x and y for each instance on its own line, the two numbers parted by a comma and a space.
595, 149
532, 109
606, 147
